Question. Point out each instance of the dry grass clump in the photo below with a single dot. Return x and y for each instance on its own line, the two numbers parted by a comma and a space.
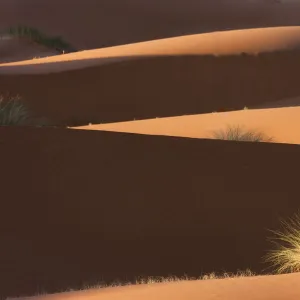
237, 133
285, 258
13, 111
162, 279
154, 280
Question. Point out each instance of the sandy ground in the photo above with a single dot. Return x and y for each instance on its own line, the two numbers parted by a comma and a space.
81, 206
160, 86
255, 288
232, 42
100, 23
113, 205
278, 123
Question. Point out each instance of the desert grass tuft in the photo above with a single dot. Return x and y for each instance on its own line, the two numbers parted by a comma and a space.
38, 37
237, 133
285, 258
13, 111
154, 280
165, 279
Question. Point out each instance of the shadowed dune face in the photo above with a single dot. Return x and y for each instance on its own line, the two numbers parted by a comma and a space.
82, 206
101, 23
158, 87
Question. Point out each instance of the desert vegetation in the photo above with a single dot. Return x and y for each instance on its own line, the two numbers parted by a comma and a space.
238, 133
160, 279
285, 257
13, 111
34, 35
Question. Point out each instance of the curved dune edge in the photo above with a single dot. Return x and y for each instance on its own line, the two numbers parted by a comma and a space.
99, 171
276, 287
279, 123
252, 41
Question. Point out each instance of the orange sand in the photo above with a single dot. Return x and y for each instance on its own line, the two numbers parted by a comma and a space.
253, 288
279, 123
251, 41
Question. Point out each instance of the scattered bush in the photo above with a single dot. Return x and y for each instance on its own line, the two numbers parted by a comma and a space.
236, 133
36, 36
13, 112
286, 257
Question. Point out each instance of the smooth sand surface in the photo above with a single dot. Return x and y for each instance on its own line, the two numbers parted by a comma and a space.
279, 123
91, 24
253, 288
250, 41
107, 206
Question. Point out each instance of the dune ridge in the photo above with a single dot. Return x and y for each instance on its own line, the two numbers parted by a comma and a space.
250, 41
280, 123
253, 288
123, 199
157, 87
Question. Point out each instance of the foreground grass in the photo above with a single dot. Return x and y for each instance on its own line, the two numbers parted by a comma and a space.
285, 258
13, 111
161, 279
156, 279
38, 37
237, 133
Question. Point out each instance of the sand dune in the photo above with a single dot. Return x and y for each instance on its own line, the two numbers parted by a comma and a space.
168, 203
83, 206
157, 87
253, 288
250, 41
172, 77
279, 123
93, 24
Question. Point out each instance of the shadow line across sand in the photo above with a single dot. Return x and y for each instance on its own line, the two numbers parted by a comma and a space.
81, 206
155, 86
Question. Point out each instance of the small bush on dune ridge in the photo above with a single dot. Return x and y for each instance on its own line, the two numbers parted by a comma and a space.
36, 36
236, 133
286, 257
13, 112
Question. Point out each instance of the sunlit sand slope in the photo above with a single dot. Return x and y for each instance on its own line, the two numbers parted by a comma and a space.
250, 41
256, 288
279, 123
